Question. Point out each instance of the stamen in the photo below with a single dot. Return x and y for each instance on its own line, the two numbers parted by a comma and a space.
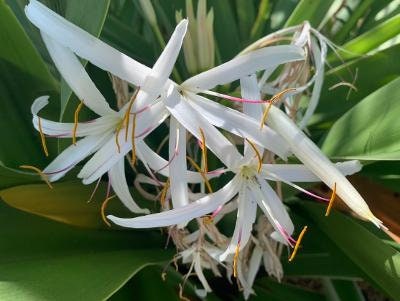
203, 175
273, 100
164, 191
258, 155
94, 190
103, 208
296, 247
76, 116
42, 137
118, 129
128, 111
331, 201
133, 140
233, 98
41, 174
204, 151
208, 219
235, 260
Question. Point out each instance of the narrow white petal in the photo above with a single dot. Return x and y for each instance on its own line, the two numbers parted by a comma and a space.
318, 163
109, 154
244, 65
246, 216
184, 214
85, 45
239, 124
199, 272
76, 76
300, 173
73, 155
254, 266
177, 167
121, 189
181, 109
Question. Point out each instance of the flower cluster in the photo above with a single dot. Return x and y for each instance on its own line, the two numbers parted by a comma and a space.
249, 140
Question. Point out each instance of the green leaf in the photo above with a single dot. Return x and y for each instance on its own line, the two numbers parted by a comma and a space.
311, 11
334, 103
225, 29
76, 11
67, 202
369, 40
281, 10
337, 290
375, 258
23, 77
44, 260
263, 14
267, 289
370, 130
246, 15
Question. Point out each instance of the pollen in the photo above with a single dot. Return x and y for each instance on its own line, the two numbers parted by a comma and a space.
258, 155
76, 119
273, 100
41, 174
203, 175
235, 260
297, 245
103, 209
331, 201
204, 151
42, 138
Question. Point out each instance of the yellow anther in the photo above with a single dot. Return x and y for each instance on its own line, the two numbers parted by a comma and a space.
258, 155
117, 130
331, 201
235, 260
203, 175
41, 174
76, 120
274, 99
42, 137
133, 140
204, 151
103, 208
207, 219
164, 191
296, 247
128, 112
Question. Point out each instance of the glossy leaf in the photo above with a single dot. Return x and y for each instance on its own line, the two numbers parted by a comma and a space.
370, 130
44, 260
309, 10
377, 260
334, 102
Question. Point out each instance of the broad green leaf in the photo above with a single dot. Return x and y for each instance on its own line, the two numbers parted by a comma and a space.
267, 289
370, 130
12, 177
335, 102
225, 29
311, 11
43, 260
68, 202
263, 14
23, 77
369, 40
76, 11
246, 15
380, 262
281, 10
372, 19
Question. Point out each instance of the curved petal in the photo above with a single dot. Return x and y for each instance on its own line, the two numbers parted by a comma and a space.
73, 155
244, 65
300, 173
239, 124
109, 154
65, 129
121, 189
319, 164
193, 122
76, 76
246, 216
177, 166
85, 45
184, 214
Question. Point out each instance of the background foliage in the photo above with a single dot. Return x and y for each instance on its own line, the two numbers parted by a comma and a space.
67, 254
